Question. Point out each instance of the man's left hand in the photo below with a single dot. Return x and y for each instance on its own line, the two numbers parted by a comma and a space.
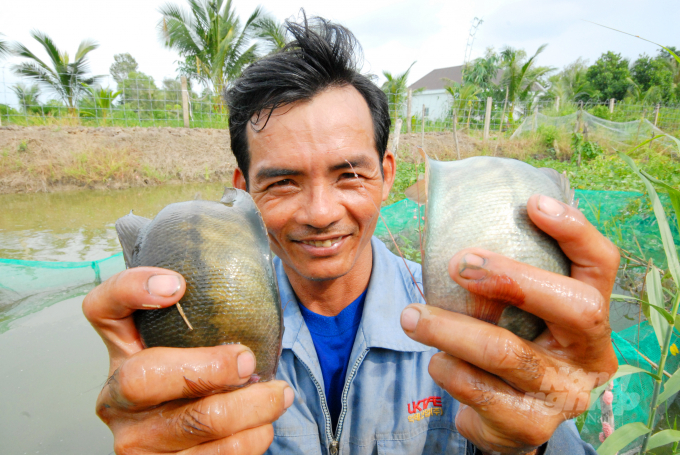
514, 393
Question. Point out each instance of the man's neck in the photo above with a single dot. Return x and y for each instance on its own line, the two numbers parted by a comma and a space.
330, 297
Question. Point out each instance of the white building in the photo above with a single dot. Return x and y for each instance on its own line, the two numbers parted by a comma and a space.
436, 100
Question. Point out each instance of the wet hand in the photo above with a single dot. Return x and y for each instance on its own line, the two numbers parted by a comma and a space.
514, 393
167, 400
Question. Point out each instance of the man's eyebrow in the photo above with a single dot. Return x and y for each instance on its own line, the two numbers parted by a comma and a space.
351, 163
274, 172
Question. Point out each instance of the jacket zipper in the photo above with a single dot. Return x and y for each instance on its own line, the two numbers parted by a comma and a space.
335, 442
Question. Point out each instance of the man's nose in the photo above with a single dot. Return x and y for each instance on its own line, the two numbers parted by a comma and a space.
321, 208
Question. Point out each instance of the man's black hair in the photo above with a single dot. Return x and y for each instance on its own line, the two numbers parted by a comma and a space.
321, 55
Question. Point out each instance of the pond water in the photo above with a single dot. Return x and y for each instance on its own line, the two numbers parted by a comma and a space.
53, 364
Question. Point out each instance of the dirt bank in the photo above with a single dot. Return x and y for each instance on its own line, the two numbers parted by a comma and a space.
50, 158
36, 159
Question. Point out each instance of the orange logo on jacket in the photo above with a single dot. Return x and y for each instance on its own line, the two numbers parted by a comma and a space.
419, 410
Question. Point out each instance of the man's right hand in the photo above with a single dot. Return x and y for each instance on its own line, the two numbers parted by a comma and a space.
145, 402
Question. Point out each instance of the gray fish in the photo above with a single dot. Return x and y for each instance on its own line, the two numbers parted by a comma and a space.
481, 202
222, 251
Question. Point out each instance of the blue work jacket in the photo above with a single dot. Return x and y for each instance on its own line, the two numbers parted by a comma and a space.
390, 404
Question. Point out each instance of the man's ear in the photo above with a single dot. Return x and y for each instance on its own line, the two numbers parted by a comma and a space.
389, 170
239, 180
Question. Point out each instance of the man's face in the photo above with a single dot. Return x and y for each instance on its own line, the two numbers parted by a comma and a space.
319, 215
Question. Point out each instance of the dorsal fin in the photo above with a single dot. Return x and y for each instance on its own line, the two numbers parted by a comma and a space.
128, 229
562, 181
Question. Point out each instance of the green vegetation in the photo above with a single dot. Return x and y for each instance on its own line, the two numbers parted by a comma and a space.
68, 79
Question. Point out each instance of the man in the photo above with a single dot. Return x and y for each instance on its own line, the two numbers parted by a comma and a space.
309, 133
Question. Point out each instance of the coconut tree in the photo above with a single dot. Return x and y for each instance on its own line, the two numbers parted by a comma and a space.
638, 95
4, 47
520, 73
482, 71
212, 40
102, 100
271, 32
27, 96
396, 89
68, 79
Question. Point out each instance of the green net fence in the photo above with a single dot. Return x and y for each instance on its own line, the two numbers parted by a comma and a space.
625, 217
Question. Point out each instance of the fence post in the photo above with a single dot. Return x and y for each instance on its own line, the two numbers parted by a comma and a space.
395, 138
611, 105
422, 138
408, 111
557, 105
579, 114
536, 117
455, 133
185, 102
656, 113
487, 118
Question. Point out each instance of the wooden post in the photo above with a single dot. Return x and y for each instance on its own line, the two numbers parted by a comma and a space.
487, 118
557, 105
578, 117
455, 133
656, 113
536, 117
408, 111
611, 105
500, 126
185, 102
395, 138
422, 139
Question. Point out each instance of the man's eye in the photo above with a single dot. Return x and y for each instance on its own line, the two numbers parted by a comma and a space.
348, 175
283, 182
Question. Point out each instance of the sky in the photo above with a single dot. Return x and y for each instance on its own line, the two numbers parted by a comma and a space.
393, 33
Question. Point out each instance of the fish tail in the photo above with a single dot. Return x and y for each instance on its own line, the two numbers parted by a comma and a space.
484, 308
202, 388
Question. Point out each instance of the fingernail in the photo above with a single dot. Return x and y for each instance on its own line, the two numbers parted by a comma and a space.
550, 206
472, 267
246, 364
288, 397
163, 285
409, 319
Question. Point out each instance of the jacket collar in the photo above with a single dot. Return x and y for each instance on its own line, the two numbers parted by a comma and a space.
390, 289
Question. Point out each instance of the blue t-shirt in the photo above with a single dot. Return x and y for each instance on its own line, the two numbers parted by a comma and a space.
333, 338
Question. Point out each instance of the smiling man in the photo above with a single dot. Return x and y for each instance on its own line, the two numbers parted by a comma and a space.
365, 367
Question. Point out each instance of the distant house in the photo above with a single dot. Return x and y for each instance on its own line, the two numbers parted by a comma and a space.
436, 100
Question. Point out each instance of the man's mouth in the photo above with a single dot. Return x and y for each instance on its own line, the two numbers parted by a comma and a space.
327, 243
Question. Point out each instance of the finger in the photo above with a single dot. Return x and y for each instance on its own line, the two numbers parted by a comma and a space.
492, 418
576, 307
253, 441
595, 260
156, 375
109, 306
496, 350
181, 425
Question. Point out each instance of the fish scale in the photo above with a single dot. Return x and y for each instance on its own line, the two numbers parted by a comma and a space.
222, 251
481, 202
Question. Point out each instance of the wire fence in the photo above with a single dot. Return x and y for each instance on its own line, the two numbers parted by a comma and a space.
139, 100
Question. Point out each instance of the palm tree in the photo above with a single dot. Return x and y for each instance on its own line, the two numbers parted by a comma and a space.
102, 100
211, 39
637, 95
463, 95
68, 79
396, 89
4, 48
27, 96
520, 73
483, 71
571, 83
273, 33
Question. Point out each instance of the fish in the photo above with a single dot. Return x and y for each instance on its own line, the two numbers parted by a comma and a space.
482, 202
222, 251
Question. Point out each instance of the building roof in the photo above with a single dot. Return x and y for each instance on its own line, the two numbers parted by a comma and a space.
437, 79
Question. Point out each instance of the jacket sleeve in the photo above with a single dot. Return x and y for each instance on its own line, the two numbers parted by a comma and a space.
566, 440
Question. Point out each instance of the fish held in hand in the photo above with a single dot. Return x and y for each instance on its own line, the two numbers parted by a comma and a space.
481, 202
222, 251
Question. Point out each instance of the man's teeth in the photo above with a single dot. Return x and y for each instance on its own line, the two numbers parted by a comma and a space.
322, 244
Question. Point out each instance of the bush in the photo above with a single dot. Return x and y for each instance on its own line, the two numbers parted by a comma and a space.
601, 111
585, 150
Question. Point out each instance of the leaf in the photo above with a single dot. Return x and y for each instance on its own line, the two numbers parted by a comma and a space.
653, 282
672, 192
624, 297
624, 370
663, 312
664, 228
621, 437
671, 387
662, 438
677, 322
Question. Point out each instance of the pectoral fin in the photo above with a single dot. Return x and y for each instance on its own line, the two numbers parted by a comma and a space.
417, 192
128, 229
562, 182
